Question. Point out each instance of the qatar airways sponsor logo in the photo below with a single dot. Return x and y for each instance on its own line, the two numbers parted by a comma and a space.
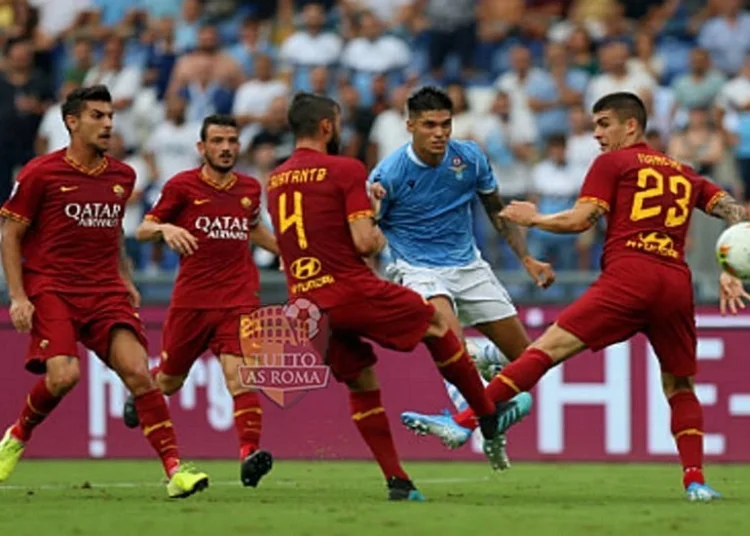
104, 215
224, 227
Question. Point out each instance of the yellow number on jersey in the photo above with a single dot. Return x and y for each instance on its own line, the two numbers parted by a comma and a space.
651, 183
295, 219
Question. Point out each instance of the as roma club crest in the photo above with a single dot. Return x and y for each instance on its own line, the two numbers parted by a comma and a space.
118, 190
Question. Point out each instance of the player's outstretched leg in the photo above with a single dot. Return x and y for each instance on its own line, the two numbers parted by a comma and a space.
128, 359
62, 375
456, 366
687, 430
369, 417
248, 421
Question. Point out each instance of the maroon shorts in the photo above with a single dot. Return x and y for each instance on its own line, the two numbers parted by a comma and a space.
62, 320
189, 333
393, 316
639, 297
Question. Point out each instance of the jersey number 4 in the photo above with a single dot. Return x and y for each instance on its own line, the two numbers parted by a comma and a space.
651, 183
295, 219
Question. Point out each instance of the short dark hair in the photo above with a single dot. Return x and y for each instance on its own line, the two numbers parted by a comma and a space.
217, 120
556, 140
306, 112
428, 99
626, 105
77, 98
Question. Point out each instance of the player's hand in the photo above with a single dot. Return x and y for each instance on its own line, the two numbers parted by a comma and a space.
133, 294
541, 272
732, 294
179, 239
377, 192
520, 212
21, 313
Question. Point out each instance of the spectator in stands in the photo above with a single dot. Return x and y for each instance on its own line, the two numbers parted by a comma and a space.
452, 31
554, 187
646, 59
254, 97
581, 51
699, 145
52, 134
25, 94
274, 129
727, 36
161, 57
206, 66
252, 44
555, 91
310, 47
522, 78
733, 105
187, 26
393, 13
697, 88
581, 147
81, 60
463, 118
124, 82
389, 129
320, 82
616, 77
372, 53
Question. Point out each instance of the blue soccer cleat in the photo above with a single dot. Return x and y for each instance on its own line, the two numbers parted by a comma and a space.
442, 426
701, 493
513, 411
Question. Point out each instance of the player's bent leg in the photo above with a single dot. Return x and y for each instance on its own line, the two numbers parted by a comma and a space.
455, 365
248, 422
63, 373
128, 358
686, 425
368, 415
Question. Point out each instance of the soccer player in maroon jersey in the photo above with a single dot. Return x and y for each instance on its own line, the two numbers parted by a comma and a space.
645, 285
208, 215
323, 216
68, 282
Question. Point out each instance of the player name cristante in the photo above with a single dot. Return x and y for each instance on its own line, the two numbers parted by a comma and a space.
658, 160
95, 214
297, 176
224, 227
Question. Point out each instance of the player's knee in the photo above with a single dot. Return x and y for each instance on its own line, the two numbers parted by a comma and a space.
367, 380
672, 384
438, 327
136, 378
62, 380
169, 385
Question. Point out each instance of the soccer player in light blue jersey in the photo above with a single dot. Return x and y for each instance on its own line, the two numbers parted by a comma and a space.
425, 191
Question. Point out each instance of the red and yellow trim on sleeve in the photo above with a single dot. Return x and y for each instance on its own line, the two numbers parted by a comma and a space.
5, 213
714, 199
358, 215
149, 217
591, 199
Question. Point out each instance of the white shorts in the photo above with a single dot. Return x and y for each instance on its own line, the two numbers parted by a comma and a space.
475, 292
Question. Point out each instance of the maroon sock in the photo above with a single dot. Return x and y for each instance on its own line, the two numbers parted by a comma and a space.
457, 367
370, 419
248, 421
516, 377
687, 429
39, 404
157, 427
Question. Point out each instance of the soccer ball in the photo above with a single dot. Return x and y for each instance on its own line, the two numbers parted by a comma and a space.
733, 250
304, 311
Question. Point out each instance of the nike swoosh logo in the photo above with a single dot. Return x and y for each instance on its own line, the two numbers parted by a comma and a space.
201, 201
68, 188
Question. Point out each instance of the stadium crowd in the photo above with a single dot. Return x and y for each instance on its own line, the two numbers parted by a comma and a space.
523, 76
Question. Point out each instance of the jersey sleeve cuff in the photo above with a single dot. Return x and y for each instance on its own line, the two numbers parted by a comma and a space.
151, 217
358, 215
5, 213
591, 199
714, 199
488, 191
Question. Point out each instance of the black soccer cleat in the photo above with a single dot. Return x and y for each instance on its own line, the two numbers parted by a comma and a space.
488, 425
255, 467
129, 413
403, 490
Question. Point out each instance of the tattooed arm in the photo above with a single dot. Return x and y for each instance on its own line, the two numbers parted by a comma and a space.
578, 219
540, 272
730, 210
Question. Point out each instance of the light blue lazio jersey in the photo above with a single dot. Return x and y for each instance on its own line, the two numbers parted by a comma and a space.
426, 213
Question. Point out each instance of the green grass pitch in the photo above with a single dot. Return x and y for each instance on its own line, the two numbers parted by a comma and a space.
115, 498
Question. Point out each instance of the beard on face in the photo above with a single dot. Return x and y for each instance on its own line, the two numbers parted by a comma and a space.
218, 167
334, 145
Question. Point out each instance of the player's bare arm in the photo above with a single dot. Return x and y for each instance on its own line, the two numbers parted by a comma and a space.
21, 308
541, 272
177, 238
732, 294
125, 268
260, 235
368, 238
730, 210
578, 219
